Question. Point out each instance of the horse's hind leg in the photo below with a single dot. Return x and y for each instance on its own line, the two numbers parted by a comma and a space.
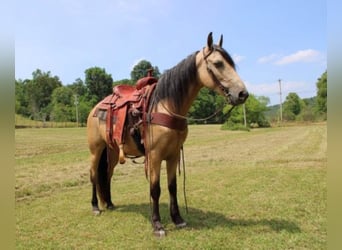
108, 160
95, 158
172, 186
100, 175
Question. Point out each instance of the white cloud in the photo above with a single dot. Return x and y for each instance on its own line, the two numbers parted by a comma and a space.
264, 89
271, 89
267, 59
307, 56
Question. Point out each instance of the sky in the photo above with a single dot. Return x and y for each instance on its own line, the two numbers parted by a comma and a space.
269, 40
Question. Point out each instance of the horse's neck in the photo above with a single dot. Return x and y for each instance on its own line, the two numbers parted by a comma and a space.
192, 94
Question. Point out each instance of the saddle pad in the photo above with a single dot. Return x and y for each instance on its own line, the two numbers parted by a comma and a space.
102, 115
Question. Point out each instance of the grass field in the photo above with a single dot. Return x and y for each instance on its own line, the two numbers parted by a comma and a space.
264, 189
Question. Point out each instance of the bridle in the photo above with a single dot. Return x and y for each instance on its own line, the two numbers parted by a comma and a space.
224, 89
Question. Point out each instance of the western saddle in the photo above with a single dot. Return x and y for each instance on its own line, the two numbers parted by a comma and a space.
126, 109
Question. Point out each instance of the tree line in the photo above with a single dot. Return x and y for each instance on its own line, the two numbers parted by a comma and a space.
46, 98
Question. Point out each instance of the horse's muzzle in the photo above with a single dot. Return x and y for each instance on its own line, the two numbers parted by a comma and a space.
237, 99
243, 95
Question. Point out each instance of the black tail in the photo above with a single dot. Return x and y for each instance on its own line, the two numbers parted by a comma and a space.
103, 180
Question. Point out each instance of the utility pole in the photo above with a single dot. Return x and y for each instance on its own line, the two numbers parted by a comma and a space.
281, 108
76, 104
244, 115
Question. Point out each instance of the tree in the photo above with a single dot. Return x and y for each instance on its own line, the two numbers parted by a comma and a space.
292, 106
84, 108
21, 98
140, 70
321, 100
39, 91
99, 84
255, 107
124, 82
62, 104
78, 87
207, 103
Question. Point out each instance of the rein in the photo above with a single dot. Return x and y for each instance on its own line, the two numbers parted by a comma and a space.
197, 119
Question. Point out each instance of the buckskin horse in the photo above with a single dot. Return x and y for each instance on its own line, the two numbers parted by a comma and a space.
150, 120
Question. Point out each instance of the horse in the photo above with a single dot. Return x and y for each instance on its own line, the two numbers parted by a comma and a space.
170, 98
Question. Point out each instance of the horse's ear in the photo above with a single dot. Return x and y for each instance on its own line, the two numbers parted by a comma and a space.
221, 41
210, 40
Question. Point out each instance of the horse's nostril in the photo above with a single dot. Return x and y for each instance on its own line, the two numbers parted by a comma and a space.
243, 95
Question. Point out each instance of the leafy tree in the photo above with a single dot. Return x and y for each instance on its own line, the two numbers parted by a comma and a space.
62, 104
99, 84
207, 103
39, 91
321, 100
84, 108
235, 119
292, 106
255, 108
124, 82
21, 98
140, 70
78, 87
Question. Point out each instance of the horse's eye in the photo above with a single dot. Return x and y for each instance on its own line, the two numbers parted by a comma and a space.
218, 64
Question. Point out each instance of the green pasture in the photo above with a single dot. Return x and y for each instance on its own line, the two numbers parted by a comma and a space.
263, 189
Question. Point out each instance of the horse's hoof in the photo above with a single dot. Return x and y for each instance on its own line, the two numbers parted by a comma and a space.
159, 233
181, 225
111, 207
96, 212
158, 229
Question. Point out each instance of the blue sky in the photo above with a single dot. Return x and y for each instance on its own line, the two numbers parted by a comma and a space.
269, 40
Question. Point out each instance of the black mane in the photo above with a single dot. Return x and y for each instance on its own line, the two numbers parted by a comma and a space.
173, 84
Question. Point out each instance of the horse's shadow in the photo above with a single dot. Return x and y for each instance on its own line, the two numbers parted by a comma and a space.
199, 219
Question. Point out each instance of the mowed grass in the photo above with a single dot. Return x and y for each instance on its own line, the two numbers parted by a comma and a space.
264, 189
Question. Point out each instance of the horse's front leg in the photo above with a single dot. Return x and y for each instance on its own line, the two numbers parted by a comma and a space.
172, 186
158, 228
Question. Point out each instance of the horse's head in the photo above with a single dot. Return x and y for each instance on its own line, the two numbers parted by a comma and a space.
216, 70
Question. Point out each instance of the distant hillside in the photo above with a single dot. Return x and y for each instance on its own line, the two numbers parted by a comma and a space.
273, 111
